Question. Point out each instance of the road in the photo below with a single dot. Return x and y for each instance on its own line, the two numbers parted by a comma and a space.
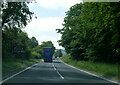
56, 72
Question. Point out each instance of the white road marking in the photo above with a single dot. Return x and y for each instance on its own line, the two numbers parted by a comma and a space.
35, 64
58, 72
16, 74
91, 73
53, 64
60, 75
54, 67
28, 68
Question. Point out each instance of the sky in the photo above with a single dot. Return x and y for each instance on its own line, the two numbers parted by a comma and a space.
50, 16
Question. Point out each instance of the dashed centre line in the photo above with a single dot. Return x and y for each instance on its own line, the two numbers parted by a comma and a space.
60, 75
54, 67
58, 72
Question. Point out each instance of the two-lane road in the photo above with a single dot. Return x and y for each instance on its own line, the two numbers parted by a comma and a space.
55, 72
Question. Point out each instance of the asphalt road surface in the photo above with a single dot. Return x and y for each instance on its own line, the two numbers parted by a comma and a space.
55, 72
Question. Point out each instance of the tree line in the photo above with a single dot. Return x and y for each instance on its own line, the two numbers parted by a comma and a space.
58, 53
15, 43
91, 31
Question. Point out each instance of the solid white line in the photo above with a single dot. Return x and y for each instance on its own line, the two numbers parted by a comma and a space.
35, 64
13, 76
60, 75
90, 73
28, 68
16, 74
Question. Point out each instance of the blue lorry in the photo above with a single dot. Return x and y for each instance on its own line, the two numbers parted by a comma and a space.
48, 53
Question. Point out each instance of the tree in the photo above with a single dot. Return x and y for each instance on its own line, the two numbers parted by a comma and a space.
15, 42
15, 15
58, 53
48, 44
92, 33
37, 51
33, 42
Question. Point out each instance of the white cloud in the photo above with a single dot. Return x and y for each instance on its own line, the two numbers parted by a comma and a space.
54, 4
45, 24
44, 29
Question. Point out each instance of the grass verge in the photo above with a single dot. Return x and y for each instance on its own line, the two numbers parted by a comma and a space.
11, 66
103, 69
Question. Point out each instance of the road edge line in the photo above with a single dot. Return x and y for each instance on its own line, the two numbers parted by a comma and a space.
17, 73
91, 73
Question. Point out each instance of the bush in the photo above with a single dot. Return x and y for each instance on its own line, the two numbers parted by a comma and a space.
36, 55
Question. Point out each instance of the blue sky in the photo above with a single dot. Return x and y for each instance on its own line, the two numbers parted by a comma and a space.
46, 12
50, 15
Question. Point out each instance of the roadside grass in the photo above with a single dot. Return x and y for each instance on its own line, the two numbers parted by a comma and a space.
11, 66
102, 69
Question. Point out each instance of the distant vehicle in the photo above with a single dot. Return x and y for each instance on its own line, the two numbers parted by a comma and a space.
48, 54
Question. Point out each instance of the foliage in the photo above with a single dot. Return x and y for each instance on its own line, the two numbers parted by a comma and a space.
91, 31
33, 42
10, 66
36, 55
37, 52
58, 53
15, 42
94, 67
15, 15
48, 44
